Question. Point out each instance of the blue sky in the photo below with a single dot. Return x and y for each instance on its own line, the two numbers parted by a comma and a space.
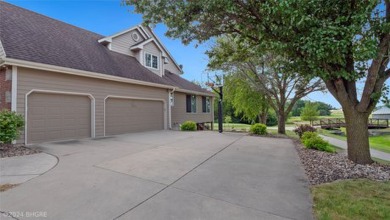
107, 17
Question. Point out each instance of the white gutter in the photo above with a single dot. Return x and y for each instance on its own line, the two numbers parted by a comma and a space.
195, 92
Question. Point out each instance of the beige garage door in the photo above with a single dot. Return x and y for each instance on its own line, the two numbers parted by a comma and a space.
130, 115
54, 117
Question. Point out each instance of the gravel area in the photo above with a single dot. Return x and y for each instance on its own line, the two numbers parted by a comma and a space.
9, 150
323, 167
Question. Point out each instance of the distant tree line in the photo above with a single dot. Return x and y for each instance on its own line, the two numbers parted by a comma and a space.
323, 108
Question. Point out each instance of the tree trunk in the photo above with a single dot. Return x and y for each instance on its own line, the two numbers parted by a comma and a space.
357, 136
281, 123
263, 117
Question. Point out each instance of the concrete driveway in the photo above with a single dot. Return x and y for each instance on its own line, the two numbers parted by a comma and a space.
166, 175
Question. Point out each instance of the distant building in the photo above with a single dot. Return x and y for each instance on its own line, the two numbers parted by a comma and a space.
381, 113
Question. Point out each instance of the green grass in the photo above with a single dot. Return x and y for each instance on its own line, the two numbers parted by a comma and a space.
352, 199
381, 143
233, 126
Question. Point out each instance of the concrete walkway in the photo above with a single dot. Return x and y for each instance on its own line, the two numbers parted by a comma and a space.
16, 170
167, 175
343, 144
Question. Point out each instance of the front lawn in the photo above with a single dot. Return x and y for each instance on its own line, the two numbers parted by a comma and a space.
352, 199
233, 127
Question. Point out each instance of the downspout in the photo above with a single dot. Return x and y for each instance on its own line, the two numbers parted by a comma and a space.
170, 108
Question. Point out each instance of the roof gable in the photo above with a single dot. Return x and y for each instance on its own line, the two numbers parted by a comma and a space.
109, 38
148, 36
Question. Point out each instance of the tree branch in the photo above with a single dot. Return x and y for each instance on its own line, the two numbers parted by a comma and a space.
373, 73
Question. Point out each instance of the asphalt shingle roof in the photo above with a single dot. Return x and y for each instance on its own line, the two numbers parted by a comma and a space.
29, 36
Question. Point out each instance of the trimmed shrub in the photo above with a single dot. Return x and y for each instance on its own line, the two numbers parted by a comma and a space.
311, 140
10, 125
259, 129
188, 126
304, 128
308, 135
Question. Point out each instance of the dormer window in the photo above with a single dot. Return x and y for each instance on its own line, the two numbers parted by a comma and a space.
151, 61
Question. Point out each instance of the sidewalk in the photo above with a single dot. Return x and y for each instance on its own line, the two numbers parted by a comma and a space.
343, 144
16, 170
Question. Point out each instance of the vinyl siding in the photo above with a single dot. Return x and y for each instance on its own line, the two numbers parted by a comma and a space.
171, 67
122, 43
29, 79
179, 113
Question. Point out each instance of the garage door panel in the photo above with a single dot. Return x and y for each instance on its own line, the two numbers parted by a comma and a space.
126, 116
58, 117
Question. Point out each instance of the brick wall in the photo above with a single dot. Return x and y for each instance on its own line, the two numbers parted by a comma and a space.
5, 88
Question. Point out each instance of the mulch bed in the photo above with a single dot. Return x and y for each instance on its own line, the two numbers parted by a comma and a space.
9, 150
322, 167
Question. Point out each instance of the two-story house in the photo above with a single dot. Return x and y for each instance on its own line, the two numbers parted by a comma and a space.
70, 83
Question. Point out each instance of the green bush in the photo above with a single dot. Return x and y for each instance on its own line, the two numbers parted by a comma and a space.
260, 129
309, 135
311, 140
10, 126
188, 126
302, 129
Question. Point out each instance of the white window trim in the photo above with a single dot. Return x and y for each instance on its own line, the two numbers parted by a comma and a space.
194, 98
151, 61
209, 104
196, 105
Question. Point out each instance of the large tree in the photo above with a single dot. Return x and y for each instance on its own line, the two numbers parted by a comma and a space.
339, 41
247, 102
310, 112
262, 73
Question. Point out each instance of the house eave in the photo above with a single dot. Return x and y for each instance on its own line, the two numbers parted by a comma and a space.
77, 72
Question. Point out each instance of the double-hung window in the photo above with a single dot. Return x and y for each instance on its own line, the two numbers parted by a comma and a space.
151, 61
191, 103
